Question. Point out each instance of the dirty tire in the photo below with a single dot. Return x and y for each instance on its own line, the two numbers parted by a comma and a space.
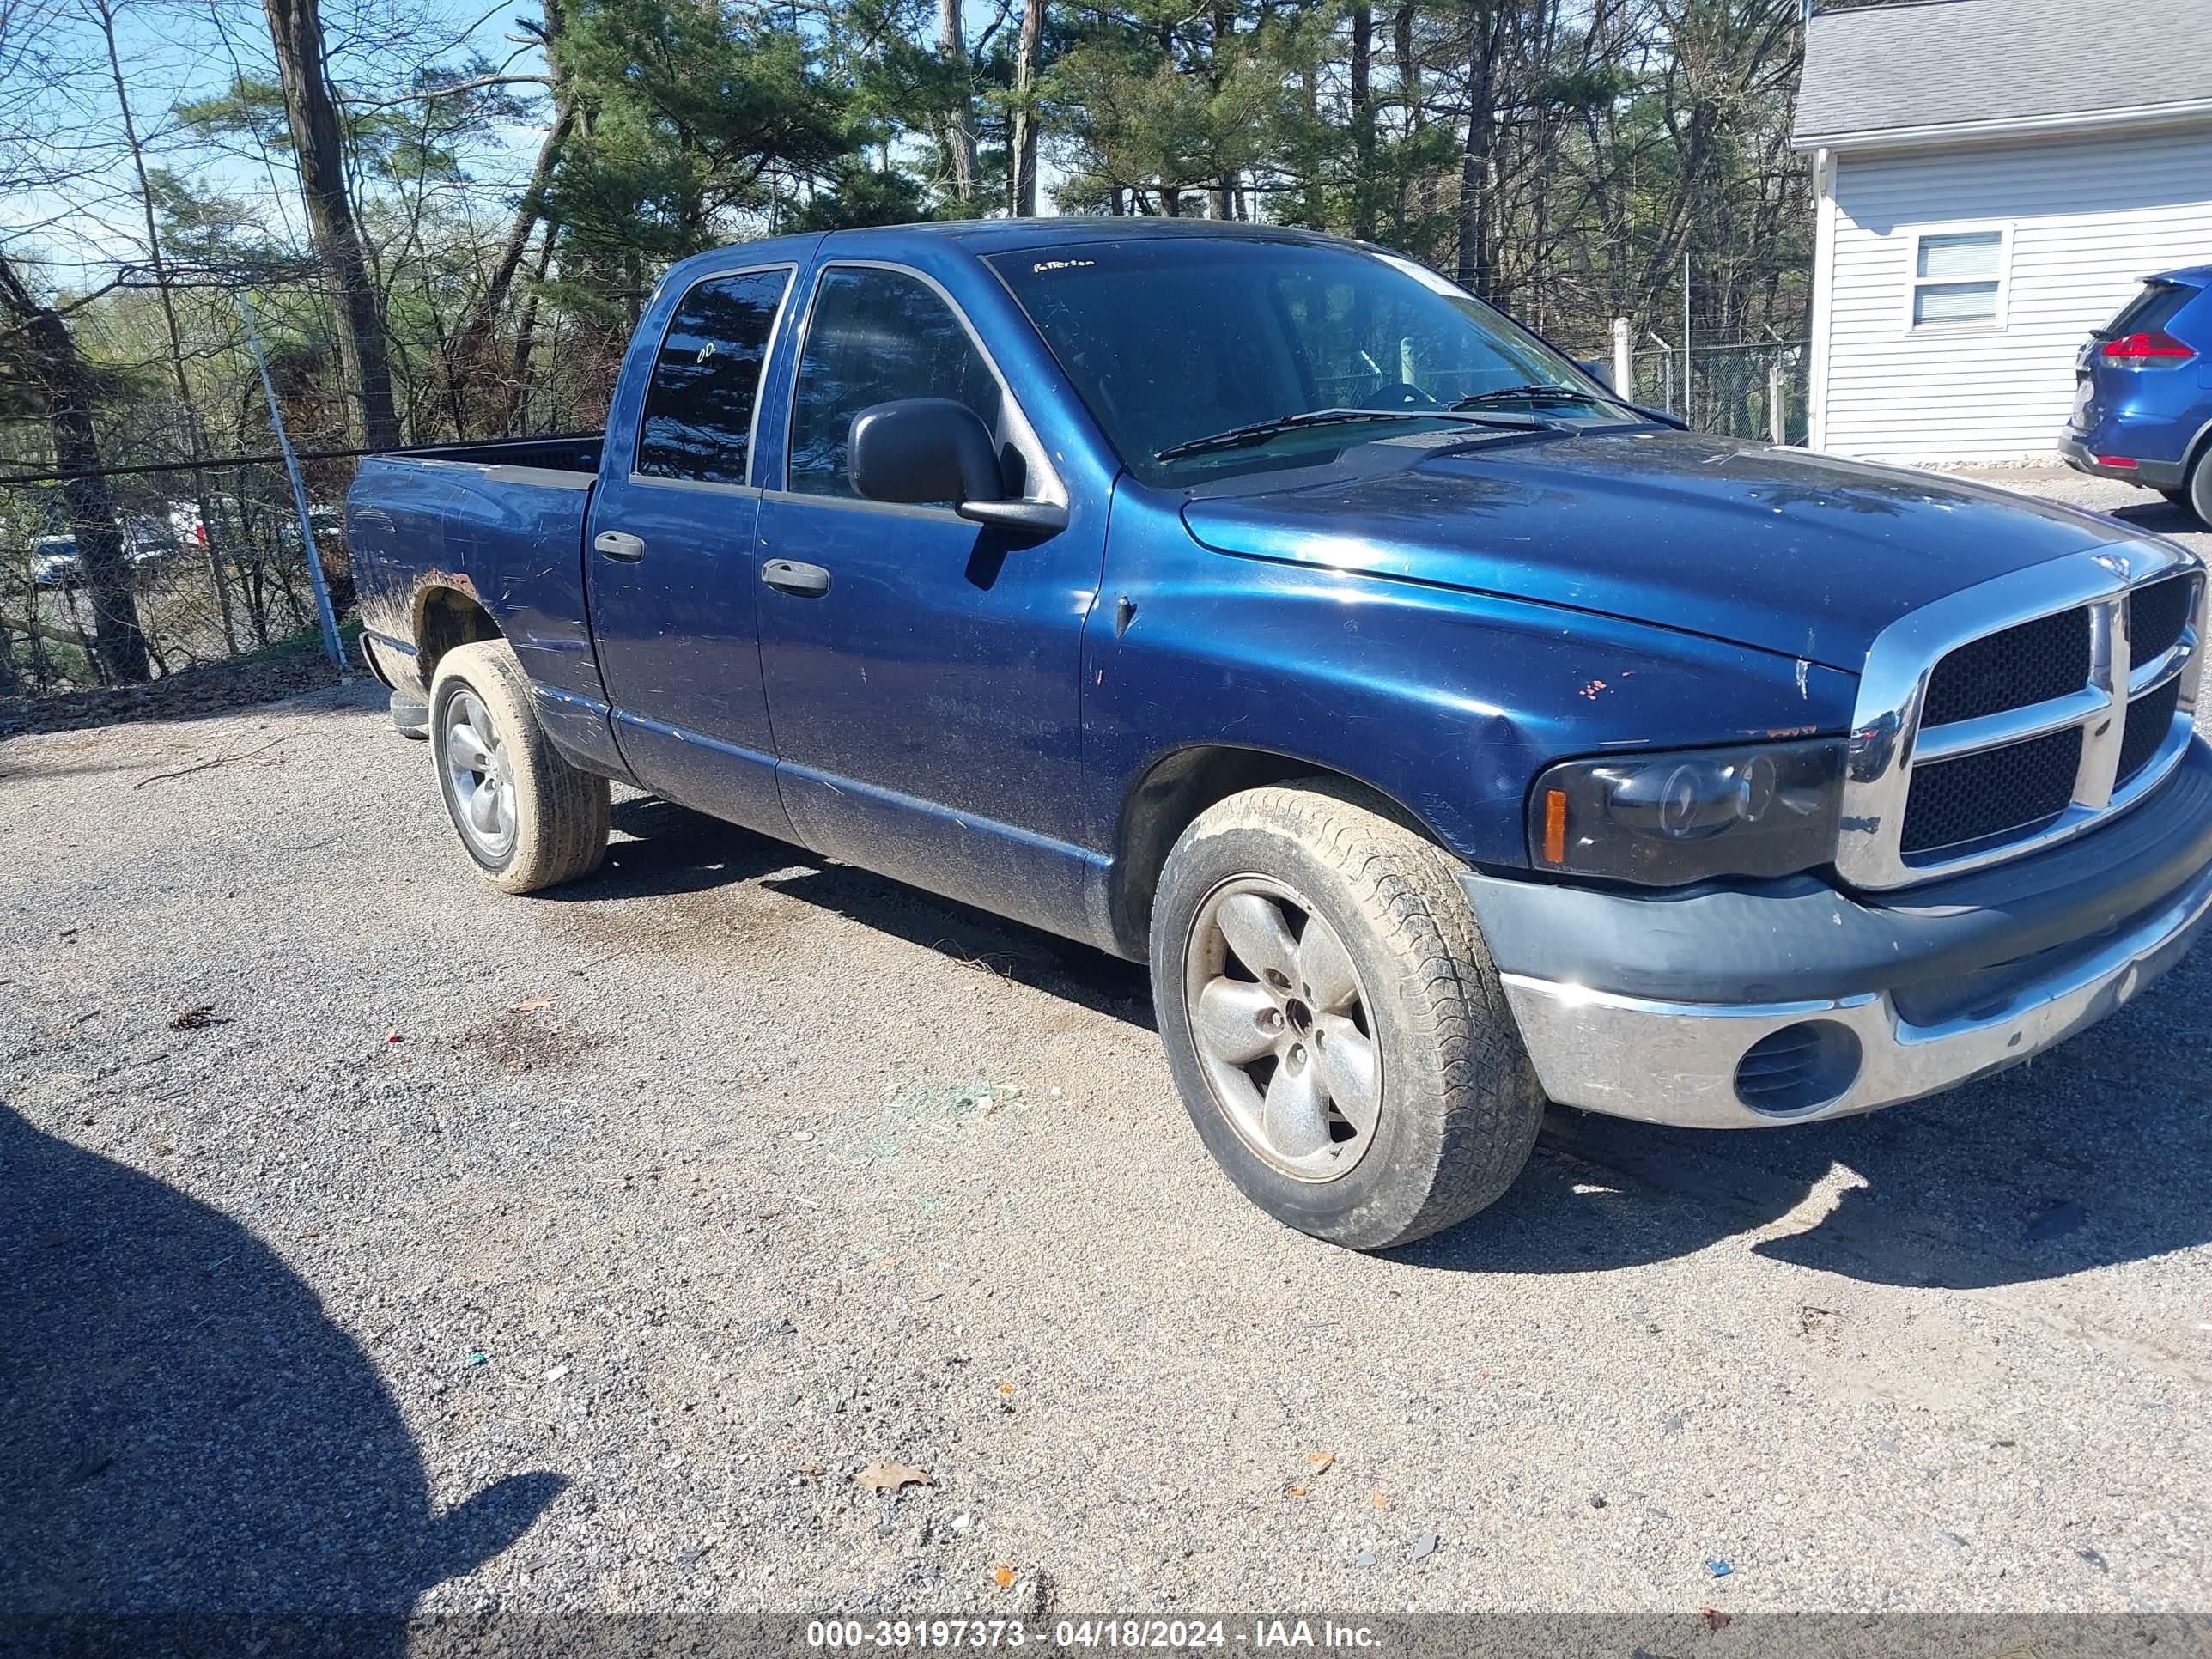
2200, 489
1460, 1102
562, 814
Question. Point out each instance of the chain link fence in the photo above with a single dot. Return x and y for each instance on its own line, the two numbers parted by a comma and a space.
1753, 389
218, 571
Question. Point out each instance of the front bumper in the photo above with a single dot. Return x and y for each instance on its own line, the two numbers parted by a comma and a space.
1645, 1006
2151, 475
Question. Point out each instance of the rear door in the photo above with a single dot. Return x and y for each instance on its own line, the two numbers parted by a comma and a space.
674, 574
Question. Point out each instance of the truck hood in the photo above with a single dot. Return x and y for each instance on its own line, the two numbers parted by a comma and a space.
1793, 552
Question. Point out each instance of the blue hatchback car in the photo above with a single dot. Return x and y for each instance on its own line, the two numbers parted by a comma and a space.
2142, 394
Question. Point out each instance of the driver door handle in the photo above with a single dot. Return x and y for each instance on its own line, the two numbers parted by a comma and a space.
808, 581
618, 546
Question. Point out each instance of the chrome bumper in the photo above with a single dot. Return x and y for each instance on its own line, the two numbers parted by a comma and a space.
1676, 1062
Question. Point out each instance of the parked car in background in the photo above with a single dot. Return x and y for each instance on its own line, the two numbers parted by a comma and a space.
1448, 734
2143, 392
55, 564
184, 526
247, 530
149, 541
329, 523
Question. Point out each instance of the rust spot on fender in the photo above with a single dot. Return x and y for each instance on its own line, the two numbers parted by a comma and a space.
457, 579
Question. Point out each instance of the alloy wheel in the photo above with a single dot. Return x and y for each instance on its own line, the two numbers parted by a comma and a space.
1281, 1024
482, 779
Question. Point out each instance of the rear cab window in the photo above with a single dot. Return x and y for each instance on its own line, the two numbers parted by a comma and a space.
699, 409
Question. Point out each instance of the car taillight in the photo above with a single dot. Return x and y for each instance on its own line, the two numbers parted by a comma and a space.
2153, 348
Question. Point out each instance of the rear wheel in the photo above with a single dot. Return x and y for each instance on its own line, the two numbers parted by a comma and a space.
1331, 1018
526, 817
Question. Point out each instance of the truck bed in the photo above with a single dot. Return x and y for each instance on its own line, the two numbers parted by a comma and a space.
572, 453
501, 524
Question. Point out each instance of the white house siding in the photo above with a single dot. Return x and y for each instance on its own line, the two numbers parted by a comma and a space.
2089, 217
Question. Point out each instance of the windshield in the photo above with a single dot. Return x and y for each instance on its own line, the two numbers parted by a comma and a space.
1168, 340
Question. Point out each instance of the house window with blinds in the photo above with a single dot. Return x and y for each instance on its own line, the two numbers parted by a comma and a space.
1957, 279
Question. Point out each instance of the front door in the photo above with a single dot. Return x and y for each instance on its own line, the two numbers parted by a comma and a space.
673, 569
923, 672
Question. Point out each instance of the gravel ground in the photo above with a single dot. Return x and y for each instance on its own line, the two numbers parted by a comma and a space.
372, 1237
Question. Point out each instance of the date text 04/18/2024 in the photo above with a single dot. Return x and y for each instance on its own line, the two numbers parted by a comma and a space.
1169, 1634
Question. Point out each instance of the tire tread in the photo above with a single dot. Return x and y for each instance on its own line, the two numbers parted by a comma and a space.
1491, 1104
566, 813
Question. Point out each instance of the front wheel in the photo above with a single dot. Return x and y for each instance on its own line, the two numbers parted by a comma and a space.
1333, 1020
526, 817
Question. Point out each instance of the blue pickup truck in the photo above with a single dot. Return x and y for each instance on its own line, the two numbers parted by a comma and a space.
1448, 734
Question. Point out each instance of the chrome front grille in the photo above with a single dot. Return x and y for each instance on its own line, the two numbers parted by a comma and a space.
2013, 789
2036, 661
2159, 612
2013, 714
2150, 717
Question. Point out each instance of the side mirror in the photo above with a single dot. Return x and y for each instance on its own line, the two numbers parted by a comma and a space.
1599, 371
931, 450
922, 449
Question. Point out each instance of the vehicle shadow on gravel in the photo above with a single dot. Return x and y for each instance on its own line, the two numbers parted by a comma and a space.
2161, 517
186, 1431
978, 940
675, 850
2098, 1154
669, 850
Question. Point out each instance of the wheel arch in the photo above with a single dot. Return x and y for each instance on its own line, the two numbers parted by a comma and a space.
2197, 449
447, 613
1162, 801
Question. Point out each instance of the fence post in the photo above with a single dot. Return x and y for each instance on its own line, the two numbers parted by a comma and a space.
1778, 417
1623, 361
331, 648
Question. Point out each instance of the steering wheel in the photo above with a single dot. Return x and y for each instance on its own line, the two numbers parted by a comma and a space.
1396, 394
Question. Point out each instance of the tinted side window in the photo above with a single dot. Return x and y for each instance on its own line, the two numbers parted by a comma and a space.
699, 409
876, 335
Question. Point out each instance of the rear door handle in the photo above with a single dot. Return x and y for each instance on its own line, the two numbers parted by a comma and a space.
789, 576
618, 546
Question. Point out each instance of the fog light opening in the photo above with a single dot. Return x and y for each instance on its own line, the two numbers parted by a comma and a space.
1799, 1068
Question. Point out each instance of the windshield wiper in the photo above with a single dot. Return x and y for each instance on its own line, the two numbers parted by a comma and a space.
1237, 437
1533, 392
1241, 437
1538, 390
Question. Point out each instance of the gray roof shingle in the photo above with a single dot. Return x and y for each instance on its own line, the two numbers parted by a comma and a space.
1874, 69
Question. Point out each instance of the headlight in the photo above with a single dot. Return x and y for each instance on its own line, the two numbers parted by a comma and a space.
1762, 810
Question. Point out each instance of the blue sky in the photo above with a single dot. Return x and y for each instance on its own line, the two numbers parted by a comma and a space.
173, 50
